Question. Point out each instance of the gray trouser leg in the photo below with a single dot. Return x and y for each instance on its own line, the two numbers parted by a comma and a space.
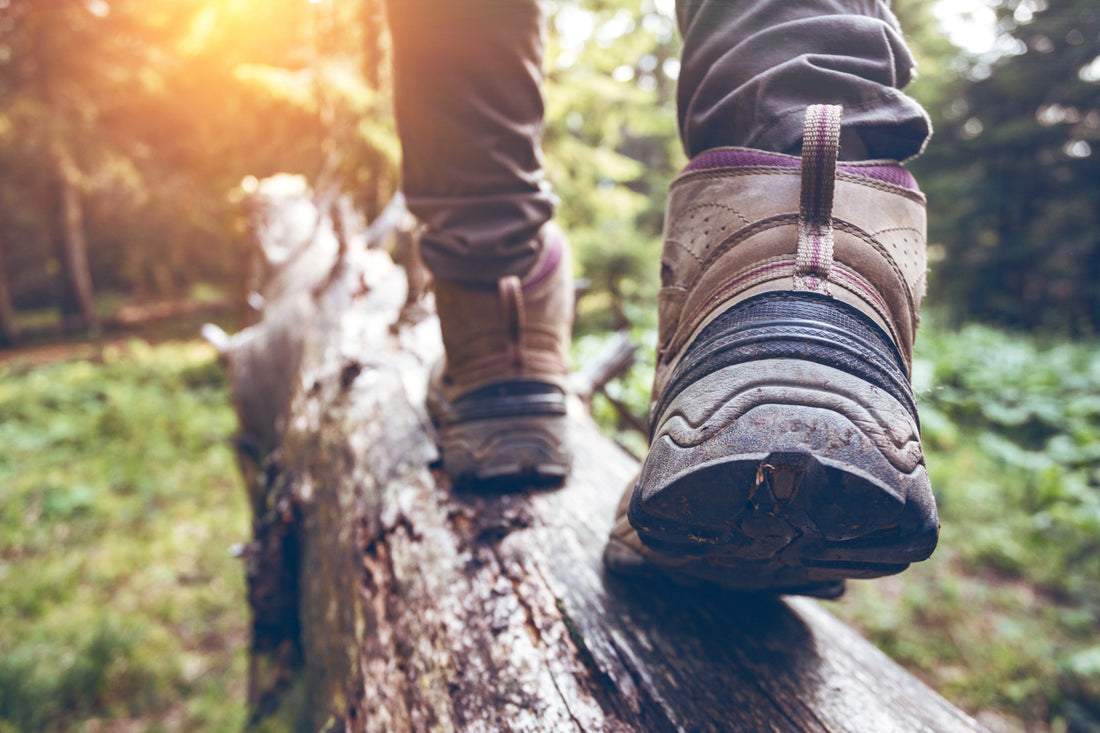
751, 67
469, 108
469, 112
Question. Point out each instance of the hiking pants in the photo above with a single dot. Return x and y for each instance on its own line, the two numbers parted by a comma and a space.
469, 107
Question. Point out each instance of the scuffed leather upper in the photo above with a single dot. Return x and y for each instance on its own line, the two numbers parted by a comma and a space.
514, 329
732, 233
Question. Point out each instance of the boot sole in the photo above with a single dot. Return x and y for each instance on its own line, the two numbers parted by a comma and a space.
524, 448
786, 475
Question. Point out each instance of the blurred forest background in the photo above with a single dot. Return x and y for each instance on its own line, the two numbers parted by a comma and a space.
128, 133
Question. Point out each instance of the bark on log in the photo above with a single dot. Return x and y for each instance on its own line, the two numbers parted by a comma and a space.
385, 601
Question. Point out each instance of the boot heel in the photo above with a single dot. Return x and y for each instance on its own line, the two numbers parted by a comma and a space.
787, 469
517, 448
507, 430
785, 450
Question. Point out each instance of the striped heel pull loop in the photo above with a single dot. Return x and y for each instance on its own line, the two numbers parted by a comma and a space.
820, 144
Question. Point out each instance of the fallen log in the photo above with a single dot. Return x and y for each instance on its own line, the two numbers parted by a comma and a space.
384, 600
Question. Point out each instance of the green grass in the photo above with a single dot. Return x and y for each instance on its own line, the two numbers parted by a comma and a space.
120, 606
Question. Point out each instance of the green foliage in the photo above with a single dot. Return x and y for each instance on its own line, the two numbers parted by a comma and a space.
1034, 415
157, 111
628, 394
611, 145
1013, 175
1003, 616
119, 599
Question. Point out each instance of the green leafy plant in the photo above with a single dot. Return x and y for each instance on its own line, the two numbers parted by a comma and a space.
118, 597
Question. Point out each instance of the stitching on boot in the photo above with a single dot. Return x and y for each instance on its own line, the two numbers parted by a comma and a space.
773, 268
686, 249
855, 231
863, 288
716, 205
758, 226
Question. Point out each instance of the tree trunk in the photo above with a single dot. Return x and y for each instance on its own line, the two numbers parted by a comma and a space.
8, 331
77, 299
384, 600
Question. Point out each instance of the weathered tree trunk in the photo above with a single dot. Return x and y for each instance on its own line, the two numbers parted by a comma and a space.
8, 332
77, 299
384, 600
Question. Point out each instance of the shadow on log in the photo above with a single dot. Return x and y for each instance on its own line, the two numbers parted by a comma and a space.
385, 601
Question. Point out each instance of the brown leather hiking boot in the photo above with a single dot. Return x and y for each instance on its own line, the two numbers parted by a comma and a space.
498, 398
785, 452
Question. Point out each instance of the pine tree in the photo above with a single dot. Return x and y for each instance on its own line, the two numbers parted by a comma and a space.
1013, 175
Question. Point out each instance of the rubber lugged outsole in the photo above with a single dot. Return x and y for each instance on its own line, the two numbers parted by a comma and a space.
520, 448
506, 432
783, 474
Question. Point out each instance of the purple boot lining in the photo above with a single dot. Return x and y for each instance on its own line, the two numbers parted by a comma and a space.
736, 158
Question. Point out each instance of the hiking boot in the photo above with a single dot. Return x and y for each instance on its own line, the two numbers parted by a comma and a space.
498, 398
785, 449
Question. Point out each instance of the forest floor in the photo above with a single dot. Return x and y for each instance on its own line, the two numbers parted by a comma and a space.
123, 609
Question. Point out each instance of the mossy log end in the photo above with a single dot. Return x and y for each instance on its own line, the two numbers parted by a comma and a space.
384, 600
